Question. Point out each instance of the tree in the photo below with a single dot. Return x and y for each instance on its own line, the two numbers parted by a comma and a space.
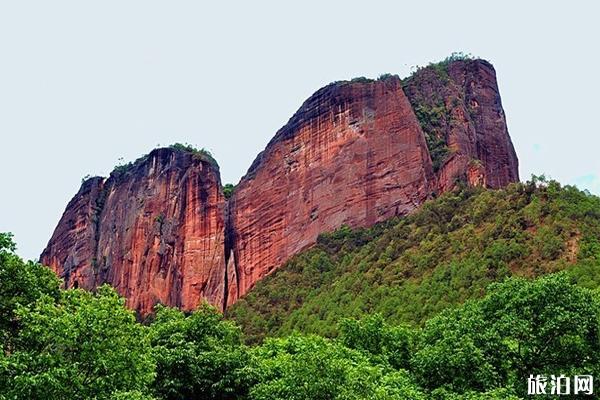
228, 190
458, 351
84, 346
198, 356
384, 343
521, 327
21, 284
314, 368
549, 325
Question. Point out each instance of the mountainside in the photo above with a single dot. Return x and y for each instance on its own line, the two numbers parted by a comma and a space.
356, 153
411, 268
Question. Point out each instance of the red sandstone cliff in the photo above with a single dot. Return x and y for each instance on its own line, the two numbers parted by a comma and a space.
355, 153
154, 230
461, 113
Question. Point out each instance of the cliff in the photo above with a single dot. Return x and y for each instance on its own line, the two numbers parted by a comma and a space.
459, 107
355, 153
154, 230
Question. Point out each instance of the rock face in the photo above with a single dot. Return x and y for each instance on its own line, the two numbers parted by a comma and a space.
155, 231
353, 154
461, 114
73, 245
356, 153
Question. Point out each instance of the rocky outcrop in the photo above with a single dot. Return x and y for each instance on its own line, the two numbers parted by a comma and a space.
154, 230
72, 248
459, 107
355, 153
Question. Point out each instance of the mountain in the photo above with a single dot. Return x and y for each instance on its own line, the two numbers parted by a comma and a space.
355, 154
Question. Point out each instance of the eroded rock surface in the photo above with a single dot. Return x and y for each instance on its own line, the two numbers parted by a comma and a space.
353, 154
460, 110
155, 231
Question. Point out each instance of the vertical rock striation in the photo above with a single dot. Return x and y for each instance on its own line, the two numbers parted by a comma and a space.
353, 154
154, 230
160, 231
74, 242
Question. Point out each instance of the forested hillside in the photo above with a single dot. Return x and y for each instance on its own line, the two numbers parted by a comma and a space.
409, 269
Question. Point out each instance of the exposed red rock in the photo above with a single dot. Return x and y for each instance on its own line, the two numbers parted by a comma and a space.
355, 153
155, 232
73, 245
459, 105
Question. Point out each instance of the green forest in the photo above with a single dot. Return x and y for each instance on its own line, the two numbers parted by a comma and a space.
463, 299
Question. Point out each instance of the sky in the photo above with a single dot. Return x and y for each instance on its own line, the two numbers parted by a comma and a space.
84, 84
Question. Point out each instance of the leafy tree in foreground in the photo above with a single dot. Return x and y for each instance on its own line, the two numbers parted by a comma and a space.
386, 344
72, 344
198, 356
548, 325
85, 346
314, 368
522, 327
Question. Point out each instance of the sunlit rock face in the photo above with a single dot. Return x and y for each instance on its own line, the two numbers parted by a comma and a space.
155, 232
353, 154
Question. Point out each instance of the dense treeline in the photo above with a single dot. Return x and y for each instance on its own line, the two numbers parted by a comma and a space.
73, 344
410, 269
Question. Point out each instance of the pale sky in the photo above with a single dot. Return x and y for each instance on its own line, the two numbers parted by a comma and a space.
84, 83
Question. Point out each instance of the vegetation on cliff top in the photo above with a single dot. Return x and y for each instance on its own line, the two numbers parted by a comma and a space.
201, 153
411, 268
60, 344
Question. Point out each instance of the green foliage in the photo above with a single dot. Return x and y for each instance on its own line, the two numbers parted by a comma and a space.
122, 167
201, 153
228, 189
198, 356
484, 349
458, 352
460, 271
361, 79
546, 326
433, 119
21, 284
131, 395
386, 76
384, 344
313, 368
457, 56
409, 269
434, 101
82, 346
